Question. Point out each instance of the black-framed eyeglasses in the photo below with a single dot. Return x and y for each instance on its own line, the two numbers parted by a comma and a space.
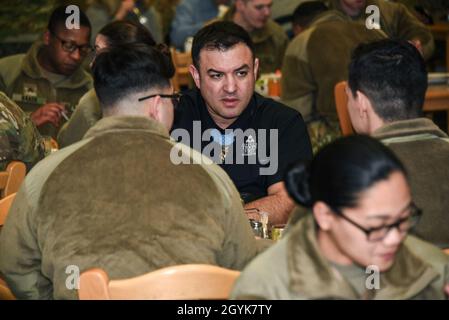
174, 97
70, 46
379, 233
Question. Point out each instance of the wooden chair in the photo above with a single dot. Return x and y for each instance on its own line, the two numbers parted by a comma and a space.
5, 293
181, 61
5, 204
189, 281
341, 101
12, 177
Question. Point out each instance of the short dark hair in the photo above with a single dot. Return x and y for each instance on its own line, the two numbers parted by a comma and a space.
123, 70
220, 35
306, 12
58, 18
392, 74
124, 31
341, 171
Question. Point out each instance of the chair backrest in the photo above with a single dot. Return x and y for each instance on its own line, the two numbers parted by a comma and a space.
189, 281
5, 204
181, 61
341, 101
12, 177
5, 293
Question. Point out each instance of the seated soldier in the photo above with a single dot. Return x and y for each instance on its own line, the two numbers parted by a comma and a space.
115, 199
88, 110
386, 92
49, 80
353, 244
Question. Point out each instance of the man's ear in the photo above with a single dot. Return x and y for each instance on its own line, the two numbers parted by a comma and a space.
154, 108
195, 75
46, 37
364, 105
324, 216
256, 67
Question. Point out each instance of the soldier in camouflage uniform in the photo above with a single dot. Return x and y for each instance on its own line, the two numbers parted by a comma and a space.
19, 138
48, 81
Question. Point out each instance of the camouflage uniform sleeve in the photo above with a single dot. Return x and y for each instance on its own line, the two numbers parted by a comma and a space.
19, 138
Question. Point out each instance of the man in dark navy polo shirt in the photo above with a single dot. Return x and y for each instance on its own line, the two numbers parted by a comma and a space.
253, 138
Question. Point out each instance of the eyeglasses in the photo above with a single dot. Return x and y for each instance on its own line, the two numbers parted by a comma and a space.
174, 97
379, 233
70, 46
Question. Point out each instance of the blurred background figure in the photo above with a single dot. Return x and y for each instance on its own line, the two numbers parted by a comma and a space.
282, 13
315, 61
191, 15
101, 12
270, 40
395, 20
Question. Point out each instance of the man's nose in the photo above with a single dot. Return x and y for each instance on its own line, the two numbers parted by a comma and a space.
230, 84
76, 55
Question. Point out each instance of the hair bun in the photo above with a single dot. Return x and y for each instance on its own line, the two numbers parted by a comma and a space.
297, 183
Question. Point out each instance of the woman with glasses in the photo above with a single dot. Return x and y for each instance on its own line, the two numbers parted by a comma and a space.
88, 110
354, 242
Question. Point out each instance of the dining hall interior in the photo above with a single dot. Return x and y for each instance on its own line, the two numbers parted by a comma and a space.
224, 150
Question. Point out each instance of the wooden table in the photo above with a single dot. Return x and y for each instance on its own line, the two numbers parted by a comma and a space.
437, 99
440, 31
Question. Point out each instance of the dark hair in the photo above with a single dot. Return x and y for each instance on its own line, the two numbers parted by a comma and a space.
58, 18
307, 11
124, 31
220, 35
123, 70
340, 171
392, 74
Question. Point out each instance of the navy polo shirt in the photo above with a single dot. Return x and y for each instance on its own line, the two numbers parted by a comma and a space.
243, 156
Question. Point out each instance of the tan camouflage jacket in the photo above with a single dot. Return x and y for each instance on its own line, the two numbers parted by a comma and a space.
19, 138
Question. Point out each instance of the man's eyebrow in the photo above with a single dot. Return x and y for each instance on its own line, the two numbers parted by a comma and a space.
244, 66
214, 71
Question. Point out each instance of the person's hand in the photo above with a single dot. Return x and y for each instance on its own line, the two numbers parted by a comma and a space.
446, 290
50, 112
417, 44
125, 7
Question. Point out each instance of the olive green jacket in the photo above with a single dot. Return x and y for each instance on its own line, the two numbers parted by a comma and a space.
23, 81
294, 268
116, 200
317, 59
396, 21
86, 115
270, 43
424, 150
19, 138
